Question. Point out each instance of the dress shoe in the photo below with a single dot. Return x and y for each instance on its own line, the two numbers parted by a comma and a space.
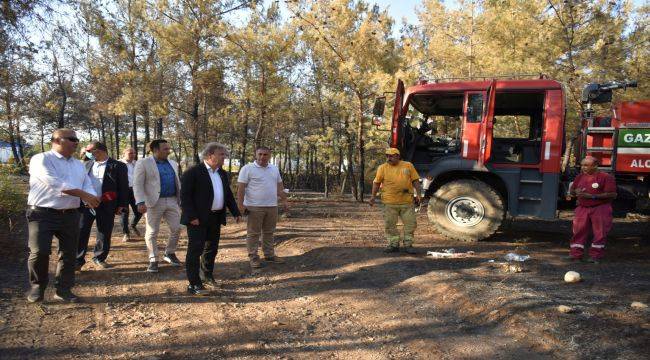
135, 230
172, 259
197, 290
153, 267
65, 295
255, 264
274, 259
101, 264
210, 282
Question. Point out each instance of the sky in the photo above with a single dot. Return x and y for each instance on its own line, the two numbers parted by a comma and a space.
399, 9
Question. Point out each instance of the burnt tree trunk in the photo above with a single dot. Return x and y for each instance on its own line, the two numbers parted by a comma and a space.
350, 157
158, 129
64, 94
147, 130
361, 149
244, 141
134, 132
262, 117
296, 177
116, 132
196, 131
102, 127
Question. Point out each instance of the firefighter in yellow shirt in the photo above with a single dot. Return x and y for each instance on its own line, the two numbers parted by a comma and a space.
398, 180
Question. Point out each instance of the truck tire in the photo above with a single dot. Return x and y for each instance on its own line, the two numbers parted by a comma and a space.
466, 210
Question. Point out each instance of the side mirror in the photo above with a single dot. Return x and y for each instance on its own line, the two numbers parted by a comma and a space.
378, 111
380, 104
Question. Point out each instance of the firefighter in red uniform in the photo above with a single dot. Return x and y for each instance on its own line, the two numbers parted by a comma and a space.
594, 191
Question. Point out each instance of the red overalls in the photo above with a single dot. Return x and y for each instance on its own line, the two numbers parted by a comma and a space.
592, 216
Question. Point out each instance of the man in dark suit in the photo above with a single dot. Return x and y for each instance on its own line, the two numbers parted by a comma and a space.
205, 195
110, 180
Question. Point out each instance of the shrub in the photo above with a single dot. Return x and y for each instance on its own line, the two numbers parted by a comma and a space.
13, 196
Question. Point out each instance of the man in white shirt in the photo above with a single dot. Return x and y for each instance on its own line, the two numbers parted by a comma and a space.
128, 158
110, 181
259, 187
57, 184
205, 195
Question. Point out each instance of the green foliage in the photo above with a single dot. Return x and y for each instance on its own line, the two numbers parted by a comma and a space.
241, 73
12, 195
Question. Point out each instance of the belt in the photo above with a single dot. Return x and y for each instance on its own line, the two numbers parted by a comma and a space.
52, 210
216, 211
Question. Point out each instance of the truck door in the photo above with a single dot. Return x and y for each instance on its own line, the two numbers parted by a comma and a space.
487, 125
473, 110
395, 127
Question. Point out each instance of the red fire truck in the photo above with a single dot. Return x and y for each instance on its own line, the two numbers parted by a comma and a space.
490, 148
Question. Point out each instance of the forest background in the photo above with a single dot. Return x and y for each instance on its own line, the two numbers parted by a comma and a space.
298, 76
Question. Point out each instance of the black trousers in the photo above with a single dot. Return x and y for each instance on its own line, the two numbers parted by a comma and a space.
105, 216
43, 225
125, 215
202, 247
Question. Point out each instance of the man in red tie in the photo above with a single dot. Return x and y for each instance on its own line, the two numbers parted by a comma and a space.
110, 181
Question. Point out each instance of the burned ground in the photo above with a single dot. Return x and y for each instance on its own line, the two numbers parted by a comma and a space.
339, 296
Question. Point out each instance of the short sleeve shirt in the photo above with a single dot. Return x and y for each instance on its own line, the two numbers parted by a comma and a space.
50, 173
261, 184
598, 183
397, 182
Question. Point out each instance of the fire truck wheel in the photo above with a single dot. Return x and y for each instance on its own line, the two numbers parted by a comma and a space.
466, 210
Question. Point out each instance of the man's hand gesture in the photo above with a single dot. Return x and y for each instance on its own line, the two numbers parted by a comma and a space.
580, 193
417, 201
91, 200
142, 208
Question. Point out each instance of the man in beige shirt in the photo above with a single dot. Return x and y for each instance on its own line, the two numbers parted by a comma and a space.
259, 187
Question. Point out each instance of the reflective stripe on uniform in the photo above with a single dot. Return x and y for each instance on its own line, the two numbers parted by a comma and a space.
577, 246
597, 246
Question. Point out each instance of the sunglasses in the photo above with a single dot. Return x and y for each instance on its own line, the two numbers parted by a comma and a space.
70, 138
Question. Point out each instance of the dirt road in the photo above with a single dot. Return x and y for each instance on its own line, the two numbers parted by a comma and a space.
339, 297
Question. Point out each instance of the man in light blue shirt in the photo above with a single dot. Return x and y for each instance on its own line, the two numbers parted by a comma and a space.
156, 188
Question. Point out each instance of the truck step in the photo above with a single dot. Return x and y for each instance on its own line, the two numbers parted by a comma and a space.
525, 198
600, 149
527, 181
600, 130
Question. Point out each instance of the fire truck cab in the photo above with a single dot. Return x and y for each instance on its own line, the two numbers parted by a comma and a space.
484, 149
